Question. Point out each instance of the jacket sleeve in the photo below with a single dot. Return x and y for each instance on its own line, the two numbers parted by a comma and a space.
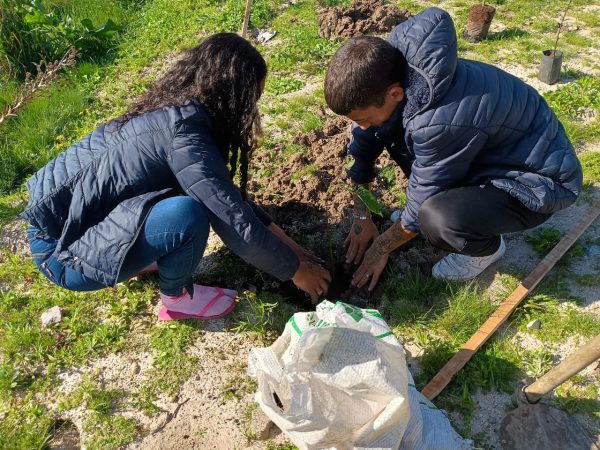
443, 156
365, 148
201, 172
262, 215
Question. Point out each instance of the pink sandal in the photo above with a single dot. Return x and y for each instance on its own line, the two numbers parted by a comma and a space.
185, 302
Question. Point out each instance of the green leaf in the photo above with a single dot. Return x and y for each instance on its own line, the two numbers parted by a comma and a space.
36, 17
87, 24
107, 29
369, 199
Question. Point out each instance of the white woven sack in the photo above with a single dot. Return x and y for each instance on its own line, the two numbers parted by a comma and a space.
337, 379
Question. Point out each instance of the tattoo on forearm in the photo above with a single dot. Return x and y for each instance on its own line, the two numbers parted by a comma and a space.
394, 237
357, 228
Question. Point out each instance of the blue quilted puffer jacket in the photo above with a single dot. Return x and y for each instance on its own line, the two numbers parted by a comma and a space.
467, 123
94, 197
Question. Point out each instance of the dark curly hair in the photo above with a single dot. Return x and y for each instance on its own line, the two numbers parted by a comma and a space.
224, 74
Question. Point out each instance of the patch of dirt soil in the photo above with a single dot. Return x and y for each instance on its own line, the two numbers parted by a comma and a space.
308, 197
13, 237
362, 17
65, 436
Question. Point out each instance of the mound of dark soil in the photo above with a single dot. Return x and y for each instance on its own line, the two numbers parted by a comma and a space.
315, 178
362, 17
308, 196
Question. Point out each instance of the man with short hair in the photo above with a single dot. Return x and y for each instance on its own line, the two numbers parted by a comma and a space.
483, 153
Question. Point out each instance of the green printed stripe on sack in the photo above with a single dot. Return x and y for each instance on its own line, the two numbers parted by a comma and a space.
382, 335
295, 325
374, 313
352, 311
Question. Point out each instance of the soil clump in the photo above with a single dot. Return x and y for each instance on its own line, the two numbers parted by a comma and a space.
362, 17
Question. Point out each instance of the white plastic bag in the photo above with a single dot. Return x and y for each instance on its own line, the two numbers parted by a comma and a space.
337, 379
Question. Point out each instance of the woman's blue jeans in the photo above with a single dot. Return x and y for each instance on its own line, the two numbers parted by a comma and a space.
174, 235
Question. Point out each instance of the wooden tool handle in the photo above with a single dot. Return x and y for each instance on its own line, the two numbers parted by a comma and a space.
574, 363
246, 18
457, 362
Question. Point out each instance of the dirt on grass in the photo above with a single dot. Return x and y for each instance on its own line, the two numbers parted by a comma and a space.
362, 17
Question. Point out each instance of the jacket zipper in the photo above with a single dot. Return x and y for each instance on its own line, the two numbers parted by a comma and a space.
135, 236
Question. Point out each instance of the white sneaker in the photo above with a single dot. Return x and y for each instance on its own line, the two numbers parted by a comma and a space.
462, 267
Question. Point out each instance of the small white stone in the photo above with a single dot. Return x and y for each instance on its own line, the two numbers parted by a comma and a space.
265, 36
534, 324
51, 316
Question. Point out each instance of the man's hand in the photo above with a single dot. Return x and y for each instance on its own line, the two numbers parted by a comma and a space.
376, 257
361, 234
312, 279
371, 268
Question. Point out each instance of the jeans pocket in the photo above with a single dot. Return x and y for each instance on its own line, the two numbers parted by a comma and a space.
53, 270
46, 270
40, 256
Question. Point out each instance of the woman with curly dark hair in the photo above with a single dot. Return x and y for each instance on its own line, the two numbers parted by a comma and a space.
145, 188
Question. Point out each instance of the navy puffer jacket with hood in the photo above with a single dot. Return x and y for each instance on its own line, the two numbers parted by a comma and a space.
94, 197
467, 123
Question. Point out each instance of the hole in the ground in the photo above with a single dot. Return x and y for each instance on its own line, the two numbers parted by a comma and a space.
64, 436
339, 289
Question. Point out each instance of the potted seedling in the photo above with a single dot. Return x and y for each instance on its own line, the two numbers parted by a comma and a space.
552, 59
478, 22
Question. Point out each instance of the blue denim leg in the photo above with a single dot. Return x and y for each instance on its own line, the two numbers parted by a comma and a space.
42, 248
174, 235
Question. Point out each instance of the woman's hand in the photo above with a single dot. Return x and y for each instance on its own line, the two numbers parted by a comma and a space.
361, 234
312, 279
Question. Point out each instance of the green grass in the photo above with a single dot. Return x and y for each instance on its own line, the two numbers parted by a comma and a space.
579, 395
559, 317
11, 206
97, 12
389, 176
37, 134
299, 49
437, 316
109, 432
590, 162
237, 386
282, 85
544, 239
568, 101
93, 325
25, 424
262, 315
295, 114
440, 317
306, 172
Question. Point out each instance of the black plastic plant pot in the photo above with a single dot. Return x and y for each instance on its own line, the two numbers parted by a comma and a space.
478, 22
550, 66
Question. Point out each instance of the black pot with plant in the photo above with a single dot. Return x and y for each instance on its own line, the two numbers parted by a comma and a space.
552, 59
479, 21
